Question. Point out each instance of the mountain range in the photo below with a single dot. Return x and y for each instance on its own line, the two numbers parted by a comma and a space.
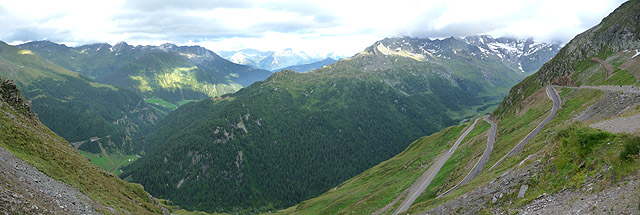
272, 60
167, 72
133, 89
240, 152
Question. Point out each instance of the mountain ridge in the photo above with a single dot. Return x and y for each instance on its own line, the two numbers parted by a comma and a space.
311, 66
168, 72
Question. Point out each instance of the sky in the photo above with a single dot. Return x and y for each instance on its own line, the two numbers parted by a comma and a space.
320, 27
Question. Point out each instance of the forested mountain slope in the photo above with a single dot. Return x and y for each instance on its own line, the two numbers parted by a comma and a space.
295, 135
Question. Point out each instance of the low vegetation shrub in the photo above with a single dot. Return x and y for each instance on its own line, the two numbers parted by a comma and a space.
631, 149
584, 138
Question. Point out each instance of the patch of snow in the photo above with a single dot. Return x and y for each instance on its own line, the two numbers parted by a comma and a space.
520, 67
507, 47
432, 51
239, 58
484, 51
535, 48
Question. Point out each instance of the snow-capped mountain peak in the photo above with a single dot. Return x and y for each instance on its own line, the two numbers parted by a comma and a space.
521, 53
270, 60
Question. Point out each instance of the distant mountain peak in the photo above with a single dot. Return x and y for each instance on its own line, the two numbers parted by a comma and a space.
120, 47
42, 43
167, 47
520, 52
270, 60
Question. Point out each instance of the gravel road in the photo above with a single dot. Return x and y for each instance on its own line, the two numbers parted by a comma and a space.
491, 139
553, 95
423, 181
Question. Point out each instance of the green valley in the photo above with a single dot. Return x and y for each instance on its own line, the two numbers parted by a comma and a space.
241, 152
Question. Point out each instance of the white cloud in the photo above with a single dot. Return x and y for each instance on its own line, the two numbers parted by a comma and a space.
342, 26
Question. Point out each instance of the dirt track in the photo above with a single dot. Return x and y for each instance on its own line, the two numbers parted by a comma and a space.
425, 179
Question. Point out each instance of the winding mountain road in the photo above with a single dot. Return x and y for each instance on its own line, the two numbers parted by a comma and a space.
491, 139
425, 179
553, 95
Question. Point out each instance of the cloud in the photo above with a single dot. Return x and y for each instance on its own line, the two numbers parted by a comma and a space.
345, 27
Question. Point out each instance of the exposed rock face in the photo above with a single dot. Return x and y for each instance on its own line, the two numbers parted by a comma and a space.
11, 95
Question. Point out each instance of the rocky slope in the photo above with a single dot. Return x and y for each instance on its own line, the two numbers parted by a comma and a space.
43, 174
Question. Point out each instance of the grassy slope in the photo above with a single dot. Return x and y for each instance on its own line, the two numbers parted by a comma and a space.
381, 184
459, 164
34, 143
546, 143
113, 163
22, 67
169, 76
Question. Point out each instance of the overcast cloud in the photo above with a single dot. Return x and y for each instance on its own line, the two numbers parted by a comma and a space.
324, 26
